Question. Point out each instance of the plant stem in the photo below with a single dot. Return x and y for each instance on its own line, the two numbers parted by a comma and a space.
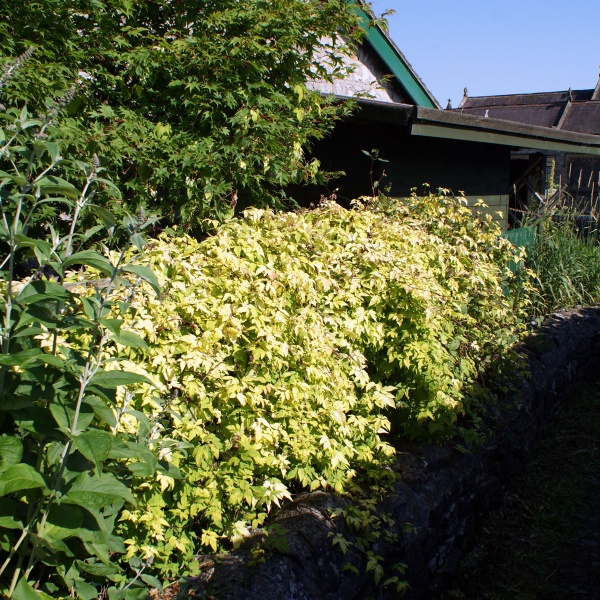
78, 206
15, 578
93, 363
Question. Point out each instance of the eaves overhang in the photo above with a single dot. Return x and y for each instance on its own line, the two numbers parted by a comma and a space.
428, 122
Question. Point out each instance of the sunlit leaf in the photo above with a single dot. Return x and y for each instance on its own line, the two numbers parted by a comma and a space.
144, 273
130, 339
24, 591
90, 259
97, 491
113, 379
20, 477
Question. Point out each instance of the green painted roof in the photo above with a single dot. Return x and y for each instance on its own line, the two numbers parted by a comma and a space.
396, 62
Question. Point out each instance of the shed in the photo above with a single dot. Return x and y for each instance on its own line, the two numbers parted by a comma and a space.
398, 116
572, 174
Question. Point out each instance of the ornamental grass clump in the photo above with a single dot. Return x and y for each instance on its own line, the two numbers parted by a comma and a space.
566, 266
286, 347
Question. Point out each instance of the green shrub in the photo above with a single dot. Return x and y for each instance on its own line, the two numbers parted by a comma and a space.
282, 350
284, 346
192, 105
65, 465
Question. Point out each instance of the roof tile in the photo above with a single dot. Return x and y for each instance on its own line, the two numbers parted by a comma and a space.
546, 109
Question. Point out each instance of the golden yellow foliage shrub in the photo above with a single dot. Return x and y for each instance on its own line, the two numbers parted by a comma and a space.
285, 345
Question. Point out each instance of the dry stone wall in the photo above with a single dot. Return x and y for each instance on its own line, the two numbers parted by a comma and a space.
442, 492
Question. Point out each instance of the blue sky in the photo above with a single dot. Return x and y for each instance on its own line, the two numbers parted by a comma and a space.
497, 46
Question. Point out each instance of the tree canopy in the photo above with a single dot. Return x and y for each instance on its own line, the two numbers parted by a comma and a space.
191, 105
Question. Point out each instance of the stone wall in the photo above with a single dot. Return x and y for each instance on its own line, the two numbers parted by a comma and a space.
442, 492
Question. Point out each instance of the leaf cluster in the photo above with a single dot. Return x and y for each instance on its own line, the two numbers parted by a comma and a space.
66, 472
194, 106
287, 346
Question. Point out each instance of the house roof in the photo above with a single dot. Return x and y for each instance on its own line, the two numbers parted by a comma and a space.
584, 118
423, 121
381, 43
528, 121
571, 110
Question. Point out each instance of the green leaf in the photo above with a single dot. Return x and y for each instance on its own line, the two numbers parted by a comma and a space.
23, 591
91, 232
91, 307
113, 379
102, 411
29, 332
43, 291
101, 551
169, 469
95, 445
63, 522
153, 582
109, 187
133, 450
11, 452
20, 358
56, 186
48, 359
97, 491
113, 325
35, 419
140, 593
145, 273
64, 415
129, 594
25, 358
99, 569
10, 523
52, 148
20, 477
90, 259
106, 111
42, 246
39, 315
138, 240
142, 469
130, 339
85, 591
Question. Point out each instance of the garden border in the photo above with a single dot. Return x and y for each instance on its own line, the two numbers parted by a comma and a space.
442, 492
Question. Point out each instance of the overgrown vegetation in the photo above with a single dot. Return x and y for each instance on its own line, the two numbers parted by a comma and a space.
66, 464
565, 263
278, 356
192, 106
286, 343
160, 400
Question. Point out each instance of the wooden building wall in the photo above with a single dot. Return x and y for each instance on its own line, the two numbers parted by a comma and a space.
481, 171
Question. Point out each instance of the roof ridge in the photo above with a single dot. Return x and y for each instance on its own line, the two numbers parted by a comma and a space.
364, 8
530, 94
565, 113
